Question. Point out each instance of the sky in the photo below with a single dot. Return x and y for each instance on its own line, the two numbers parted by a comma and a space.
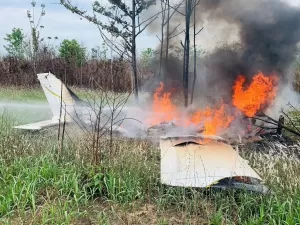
58, 21
65, 25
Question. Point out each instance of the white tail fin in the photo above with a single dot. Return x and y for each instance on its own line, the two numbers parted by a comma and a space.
61, 102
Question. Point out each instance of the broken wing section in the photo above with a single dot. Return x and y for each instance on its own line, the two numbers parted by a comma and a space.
39, 125
190, 163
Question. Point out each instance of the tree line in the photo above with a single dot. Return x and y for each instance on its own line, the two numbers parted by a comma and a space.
126, 21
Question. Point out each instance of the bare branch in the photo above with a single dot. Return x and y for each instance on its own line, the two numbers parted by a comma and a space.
174, 30
291, 121
176, 8
155, 16
112, 44
179, 33
199, 31
194, 6
174, 11
274, 122
158, 38
182, 44
140, 31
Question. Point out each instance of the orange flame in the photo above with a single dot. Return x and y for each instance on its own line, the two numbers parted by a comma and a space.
252, 99
163, 108
214, 120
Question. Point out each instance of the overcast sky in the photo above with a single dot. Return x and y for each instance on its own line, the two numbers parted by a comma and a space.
65, 25
58, 22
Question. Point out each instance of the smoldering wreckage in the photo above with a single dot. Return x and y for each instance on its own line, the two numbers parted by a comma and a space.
238, 87
189, 157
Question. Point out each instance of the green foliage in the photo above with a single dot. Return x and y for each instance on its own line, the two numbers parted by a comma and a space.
15, 46
71, 51
147, 55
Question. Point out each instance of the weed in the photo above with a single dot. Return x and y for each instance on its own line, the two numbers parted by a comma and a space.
36, 188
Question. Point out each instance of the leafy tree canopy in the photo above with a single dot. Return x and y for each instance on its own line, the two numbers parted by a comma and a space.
71, 50
15, 43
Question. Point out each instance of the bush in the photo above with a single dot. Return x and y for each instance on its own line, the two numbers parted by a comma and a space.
92, 74
71, 51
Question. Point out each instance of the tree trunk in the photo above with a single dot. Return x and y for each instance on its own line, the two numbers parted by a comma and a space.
162, 39
195, 58
111, 72
133, 53
187, 53
168, 32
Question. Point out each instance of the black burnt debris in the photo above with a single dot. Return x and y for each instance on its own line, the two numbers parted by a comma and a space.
272, 138
267, 136
160, 130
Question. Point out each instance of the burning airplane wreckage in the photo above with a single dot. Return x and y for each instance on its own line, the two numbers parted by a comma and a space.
237, 100
193, 153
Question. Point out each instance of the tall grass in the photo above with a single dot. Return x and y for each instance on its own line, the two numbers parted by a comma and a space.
36, 188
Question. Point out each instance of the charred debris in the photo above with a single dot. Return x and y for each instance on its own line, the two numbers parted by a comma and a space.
264, 134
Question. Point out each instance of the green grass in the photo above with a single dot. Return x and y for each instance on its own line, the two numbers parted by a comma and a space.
34, 94
38, 187
21, 94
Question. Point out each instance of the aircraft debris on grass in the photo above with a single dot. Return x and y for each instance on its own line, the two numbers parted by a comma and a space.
68, 108
187, 161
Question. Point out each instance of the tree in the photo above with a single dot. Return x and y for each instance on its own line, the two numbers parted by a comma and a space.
123, 23
35, 33
15, 46
165, 21
100, 52
186, 54
195, 57
190, 6
71, 51
147, 55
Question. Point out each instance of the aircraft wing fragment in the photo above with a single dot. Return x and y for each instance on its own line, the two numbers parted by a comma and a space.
38, 125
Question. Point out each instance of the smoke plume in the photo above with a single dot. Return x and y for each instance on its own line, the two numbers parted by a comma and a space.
268, 32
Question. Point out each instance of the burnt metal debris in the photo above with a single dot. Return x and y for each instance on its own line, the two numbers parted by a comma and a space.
269, 135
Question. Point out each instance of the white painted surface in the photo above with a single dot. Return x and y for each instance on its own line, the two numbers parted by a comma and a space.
60, 100
38, 125
198, 165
